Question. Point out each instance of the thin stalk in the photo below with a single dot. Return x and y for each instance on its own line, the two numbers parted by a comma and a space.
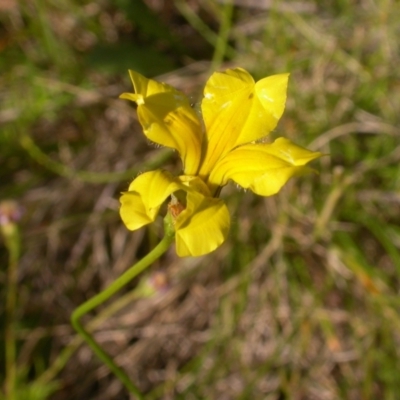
221, 45
63, 357
12, 241
100, 298
37, 154
201, 27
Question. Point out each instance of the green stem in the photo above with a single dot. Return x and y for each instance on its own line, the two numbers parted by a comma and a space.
63, 357
99, 299
197, 23
36, 153
11, 236
221, 45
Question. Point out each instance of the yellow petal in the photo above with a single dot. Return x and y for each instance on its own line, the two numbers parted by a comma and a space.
267, 108
225, 106
238, 111
263, 168
168, 119
195, 184
171, 123
140, 205
144, 87
202, 226
271, 91
134, 213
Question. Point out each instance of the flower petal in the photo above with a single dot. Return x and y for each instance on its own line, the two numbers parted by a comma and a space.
145, 87
236, 110
195, 184
202, 226
140, 205
168, 119
267, 108
133, 211
263, 168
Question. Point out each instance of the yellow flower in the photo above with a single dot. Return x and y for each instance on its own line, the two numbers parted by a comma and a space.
222, 144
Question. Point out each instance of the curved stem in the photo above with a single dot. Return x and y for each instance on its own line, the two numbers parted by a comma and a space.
62, 358
12, 240
100, 298
36, 153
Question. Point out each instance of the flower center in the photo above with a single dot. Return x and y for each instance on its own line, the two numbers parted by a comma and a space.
175, 207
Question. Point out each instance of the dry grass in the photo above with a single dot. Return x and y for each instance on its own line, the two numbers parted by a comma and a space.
302, 301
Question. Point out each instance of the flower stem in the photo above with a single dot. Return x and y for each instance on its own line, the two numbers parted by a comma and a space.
100, 298
37, 154
221, 45
12, 241
62, 358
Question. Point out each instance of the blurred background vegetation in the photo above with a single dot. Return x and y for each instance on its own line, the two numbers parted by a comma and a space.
301, 302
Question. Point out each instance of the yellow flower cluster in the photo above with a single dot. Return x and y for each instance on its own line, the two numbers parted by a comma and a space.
221, 145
